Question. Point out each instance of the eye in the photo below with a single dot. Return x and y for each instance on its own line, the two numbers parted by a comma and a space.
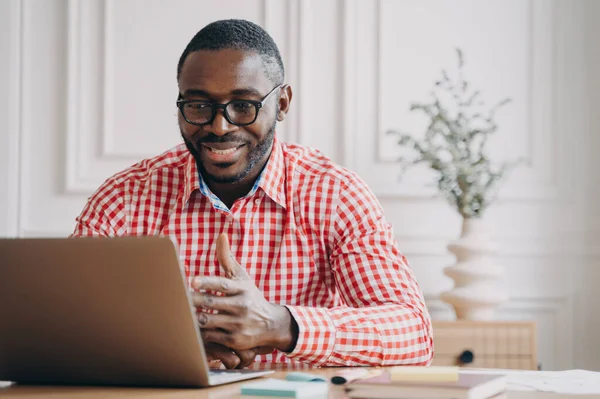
242, 106
197, 106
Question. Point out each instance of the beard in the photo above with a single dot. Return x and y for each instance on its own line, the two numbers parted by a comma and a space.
256, 154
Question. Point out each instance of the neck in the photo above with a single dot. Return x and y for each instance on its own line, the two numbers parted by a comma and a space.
228, 193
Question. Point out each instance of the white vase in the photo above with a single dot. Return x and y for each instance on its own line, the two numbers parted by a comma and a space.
476, 293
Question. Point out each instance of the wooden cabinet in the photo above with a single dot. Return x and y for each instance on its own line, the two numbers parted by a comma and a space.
494, 344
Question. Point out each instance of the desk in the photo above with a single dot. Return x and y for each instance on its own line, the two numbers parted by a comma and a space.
220, 392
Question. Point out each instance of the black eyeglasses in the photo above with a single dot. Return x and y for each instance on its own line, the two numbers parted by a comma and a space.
237, 112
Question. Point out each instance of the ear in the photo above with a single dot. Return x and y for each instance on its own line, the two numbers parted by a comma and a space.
284, 102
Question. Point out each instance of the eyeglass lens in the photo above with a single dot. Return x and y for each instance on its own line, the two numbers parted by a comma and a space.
239, 111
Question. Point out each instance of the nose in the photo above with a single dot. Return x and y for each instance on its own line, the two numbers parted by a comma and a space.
220, 126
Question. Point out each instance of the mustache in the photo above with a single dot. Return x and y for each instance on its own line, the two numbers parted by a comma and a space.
213, 138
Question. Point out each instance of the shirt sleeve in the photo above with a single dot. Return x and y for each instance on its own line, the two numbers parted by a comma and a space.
103, 214
385, 320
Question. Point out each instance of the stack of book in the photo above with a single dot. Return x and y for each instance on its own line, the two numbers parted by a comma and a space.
427, 382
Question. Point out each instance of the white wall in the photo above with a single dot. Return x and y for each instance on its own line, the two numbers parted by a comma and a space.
588, 292
9, 117
88, 88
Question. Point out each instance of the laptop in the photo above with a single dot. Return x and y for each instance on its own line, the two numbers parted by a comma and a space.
100, 311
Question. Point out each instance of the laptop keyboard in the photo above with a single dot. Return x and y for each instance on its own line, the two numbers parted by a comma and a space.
223, 376
226, 372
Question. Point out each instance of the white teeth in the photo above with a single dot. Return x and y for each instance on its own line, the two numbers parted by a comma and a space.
223, 152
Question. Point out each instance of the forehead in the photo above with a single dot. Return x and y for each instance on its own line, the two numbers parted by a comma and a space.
220, 71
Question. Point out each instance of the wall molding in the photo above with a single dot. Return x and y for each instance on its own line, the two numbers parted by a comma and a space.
556, 305
292, 49
12, 214
512, 247
75, 183
90, 34
109, 132
542, 181
349, 78
44, 233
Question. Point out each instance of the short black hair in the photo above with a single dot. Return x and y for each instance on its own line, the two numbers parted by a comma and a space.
238, 34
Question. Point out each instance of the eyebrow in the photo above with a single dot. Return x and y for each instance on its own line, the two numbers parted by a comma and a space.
247, 91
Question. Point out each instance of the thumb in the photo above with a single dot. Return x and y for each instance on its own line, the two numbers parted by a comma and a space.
227, 261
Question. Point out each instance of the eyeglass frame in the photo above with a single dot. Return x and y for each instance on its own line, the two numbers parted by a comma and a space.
216, 106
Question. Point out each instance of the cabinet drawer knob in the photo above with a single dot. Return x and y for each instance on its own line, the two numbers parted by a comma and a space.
466, 357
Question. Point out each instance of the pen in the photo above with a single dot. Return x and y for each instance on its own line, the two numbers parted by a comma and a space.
347, 376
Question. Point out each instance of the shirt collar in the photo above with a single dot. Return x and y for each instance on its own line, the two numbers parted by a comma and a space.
271, 179
191, 178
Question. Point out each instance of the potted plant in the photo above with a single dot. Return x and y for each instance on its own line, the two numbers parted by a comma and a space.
454, 146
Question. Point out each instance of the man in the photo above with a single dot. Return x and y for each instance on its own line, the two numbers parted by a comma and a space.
291, 255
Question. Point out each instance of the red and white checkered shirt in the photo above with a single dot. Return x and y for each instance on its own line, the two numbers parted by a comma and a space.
310, 233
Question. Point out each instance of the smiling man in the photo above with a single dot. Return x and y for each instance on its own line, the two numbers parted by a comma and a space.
289, 254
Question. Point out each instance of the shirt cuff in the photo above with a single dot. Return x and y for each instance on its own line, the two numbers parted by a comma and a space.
316, 335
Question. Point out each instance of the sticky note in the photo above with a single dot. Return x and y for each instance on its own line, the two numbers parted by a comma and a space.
424, 374
298, 376
286, 389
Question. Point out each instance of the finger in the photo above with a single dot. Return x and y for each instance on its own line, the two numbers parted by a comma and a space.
216, 336
212, 321
226, 338
229, 359
214, 363
227, 260
219, 284
224, 304
264, 350
246, 357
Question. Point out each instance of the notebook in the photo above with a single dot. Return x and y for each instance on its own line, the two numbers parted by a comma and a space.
468, 386
286, 389
424, 374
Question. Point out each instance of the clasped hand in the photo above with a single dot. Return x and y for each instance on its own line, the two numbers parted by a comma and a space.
246, 323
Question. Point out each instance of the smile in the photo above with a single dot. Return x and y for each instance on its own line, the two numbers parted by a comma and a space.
227, 155
224, 152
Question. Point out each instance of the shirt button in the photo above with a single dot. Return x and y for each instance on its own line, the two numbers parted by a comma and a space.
257, 201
